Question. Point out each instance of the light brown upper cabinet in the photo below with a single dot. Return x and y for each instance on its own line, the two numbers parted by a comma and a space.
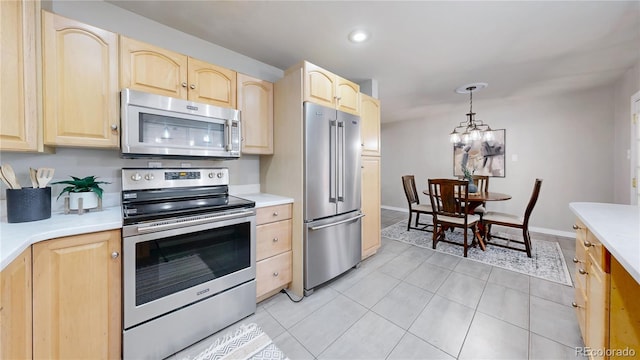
255, 102
326, 88
20, 125
80, 81
370, 130
148, 68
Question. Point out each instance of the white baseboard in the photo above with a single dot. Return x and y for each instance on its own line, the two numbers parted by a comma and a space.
539, 230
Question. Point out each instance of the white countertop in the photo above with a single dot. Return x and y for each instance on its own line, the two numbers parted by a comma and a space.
263, 200
617, 227
15, 237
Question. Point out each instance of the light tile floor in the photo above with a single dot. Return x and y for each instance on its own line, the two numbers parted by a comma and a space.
407, 302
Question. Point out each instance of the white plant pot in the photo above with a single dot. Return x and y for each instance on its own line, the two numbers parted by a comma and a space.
89, 200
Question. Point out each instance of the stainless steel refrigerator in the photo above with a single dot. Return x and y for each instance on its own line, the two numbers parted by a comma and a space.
332, 236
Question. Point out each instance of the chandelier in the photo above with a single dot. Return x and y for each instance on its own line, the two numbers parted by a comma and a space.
471, 129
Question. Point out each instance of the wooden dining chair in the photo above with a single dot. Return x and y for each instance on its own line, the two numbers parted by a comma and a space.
482, 183
409, 185
449, 199
514, 221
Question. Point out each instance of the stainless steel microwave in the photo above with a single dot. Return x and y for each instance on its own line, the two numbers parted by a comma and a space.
162, 126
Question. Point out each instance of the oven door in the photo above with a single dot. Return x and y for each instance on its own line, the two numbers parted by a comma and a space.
168, 269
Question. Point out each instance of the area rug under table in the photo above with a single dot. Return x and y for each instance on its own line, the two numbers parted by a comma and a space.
546, 262
246, 342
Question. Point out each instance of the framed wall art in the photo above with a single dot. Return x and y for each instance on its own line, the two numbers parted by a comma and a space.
481, 156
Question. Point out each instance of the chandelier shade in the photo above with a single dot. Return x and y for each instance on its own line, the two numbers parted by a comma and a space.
471, 129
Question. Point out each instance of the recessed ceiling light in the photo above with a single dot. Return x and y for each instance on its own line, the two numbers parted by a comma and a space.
358, 36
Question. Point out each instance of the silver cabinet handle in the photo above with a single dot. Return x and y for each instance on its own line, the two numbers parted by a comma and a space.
193, 86
275, 213
275, 273
275, 239
575, 227
582, 272
115, 254
114, 127
184, 84
575, 260
575, 305
587, 244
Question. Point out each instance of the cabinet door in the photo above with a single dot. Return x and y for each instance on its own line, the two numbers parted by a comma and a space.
319, 85
18, 86
347, 96
80, 80
255, 102
370, 130
152, 69
370, 205
211, 84
76, 297
625, 311
15, 308
597, 307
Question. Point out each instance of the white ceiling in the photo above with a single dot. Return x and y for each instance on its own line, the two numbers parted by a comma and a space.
420, 51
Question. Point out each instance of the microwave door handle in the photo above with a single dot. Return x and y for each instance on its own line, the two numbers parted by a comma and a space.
227, 130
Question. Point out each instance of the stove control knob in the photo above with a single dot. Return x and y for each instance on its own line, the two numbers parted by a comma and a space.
149, 177
210, 175
136, 177
220, 175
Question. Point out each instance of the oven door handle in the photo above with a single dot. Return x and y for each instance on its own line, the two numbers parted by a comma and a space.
336, 223
195, 221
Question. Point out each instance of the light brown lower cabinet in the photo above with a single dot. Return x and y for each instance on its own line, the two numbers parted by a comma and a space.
76, 297
15, 308
370, 199
624, 318
606, 300
273, 250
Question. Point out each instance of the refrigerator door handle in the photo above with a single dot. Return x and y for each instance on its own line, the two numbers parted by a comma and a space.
336, 223
341, 160
332, 160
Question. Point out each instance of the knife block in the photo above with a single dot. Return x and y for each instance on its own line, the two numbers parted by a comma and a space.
28, 204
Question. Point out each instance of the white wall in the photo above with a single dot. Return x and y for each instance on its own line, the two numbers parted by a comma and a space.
628, 85
565, 140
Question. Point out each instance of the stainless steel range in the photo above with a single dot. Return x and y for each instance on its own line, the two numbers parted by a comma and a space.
188, 258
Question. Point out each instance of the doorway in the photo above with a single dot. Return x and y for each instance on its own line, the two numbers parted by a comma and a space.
635, 148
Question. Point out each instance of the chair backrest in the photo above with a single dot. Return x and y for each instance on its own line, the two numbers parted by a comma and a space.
532, 201
449, 197
482, 182
409, 185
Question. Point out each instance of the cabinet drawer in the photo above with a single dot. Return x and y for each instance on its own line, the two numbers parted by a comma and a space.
597, 252
273, 273
273, 238
273, 213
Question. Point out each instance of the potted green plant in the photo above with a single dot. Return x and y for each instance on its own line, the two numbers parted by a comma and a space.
86, 188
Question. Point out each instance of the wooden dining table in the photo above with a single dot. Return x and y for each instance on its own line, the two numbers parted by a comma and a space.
478, 198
